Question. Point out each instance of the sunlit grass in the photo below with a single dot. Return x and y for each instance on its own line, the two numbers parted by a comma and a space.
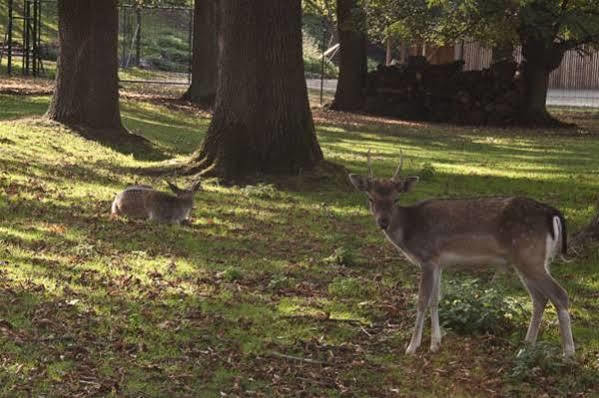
134, 308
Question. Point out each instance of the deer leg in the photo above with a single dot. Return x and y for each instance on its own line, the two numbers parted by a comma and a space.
559, 298
435, 328
539, 301
427, 280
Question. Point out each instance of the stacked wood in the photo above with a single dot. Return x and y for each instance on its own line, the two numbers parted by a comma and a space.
445, 93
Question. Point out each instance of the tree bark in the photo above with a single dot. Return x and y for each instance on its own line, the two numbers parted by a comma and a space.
86, 92
205, 53
502, 52
352, 62
540, 59
262, 121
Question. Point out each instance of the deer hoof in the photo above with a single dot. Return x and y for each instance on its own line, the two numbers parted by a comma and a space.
435, 347
411, 350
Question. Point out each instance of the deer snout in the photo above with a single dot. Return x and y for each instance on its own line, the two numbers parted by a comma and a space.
383, 223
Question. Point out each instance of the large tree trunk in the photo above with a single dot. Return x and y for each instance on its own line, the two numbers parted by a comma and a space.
540, 58
352, 63
86, 92
589, 234
205, 53
502, 52
262, 121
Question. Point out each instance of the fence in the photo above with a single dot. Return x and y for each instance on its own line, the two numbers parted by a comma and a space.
574, 83
25, 31
575, 72
155, 44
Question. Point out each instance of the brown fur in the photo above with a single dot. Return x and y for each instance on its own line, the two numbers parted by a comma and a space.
474, 232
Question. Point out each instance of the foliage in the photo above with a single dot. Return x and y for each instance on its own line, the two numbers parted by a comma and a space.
469, 308
312, 33
325, 8
262, 191
570, 23
161, 3
427, 172
341, 256
544, 362
532, 360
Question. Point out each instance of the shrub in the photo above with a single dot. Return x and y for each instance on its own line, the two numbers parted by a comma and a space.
341, 256
539, 358
428, 172
261, 191
470, 309
230, 274
172, 42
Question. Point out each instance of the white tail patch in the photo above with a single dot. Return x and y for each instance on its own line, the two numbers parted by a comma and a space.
552, 245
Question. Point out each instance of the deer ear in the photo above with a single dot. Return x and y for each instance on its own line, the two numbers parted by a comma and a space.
360, 182
405, 184
173, 187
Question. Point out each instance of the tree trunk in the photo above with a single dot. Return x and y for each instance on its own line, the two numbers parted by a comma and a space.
352, 65
540, 59
589, 234
86, 92
262, 121
205, 53
502, 52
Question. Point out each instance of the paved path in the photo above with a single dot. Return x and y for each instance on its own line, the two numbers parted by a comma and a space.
589, 98
560, 97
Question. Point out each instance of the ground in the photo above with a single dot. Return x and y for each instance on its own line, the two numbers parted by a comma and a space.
282, 288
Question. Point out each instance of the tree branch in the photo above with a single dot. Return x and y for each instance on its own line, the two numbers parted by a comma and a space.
571, 44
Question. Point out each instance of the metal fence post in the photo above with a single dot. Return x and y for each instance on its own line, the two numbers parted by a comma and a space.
190, 46
9, 66
34, 34
138, 37
25, 37
124, 37
322, 61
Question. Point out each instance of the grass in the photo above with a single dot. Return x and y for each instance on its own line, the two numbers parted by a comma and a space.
264, 275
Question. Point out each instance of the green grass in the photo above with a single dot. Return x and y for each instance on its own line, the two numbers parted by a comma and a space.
94, 306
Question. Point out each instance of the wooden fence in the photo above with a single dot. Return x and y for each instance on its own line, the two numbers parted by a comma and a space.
575, 72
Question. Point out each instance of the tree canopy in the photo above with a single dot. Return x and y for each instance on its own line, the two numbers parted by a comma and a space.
570, 23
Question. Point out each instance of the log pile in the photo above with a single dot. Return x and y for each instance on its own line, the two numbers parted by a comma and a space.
445, 93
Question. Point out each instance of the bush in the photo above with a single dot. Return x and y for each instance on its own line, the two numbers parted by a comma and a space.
542, 357
176, 56
428, 172
229, 274
468, 308
160, 63
172, 43
341, 256
313, 60
261, 191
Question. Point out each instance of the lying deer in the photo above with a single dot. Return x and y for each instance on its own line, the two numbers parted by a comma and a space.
497, 231
142, 201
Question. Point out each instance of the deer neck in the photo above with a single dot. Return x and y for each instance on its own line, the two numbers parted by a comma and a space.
395, 231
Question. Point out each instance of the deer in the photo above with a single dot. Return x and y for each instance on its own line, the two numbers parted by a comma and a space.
142, 201
472, 232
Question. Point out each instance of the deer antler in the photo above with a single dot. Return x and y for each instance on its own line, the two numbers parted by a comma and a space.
370, 174
396, 175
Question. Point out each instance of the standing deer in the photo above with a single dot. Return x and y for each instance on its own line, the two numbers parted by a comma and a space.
497, 231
